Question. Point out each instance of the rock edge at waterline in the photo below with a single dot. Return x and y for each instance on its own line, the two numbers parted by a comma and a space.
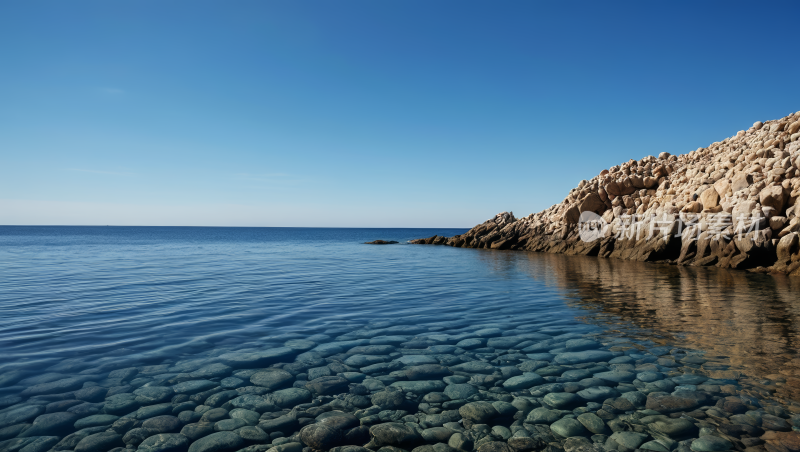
730, 205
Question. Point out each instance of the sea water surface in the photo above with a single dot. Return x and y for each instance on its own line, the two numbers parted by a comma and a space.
144, 317
81, 291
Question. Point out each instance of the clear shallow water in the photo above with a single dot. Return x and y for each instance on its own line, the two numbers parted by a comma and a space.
79, 305
91, 290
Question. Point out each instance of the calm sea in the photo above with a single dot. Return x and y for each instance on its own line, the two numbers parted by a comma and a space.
99, 291
84, 291
87, 301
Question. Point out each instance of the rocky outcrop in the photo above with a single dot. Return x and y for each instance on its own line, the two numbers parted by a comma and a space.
381, 242
731, 205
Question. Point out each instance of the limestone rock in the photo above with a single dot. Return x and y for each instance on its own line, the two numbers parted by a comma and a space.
754, 176
773, 197
709, 198
593, 203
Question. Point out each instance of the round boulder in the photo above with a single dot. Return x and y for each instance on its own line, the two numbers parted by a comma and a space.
272, 379
328, 385
165, 442
567, 428
218, 442
389, 398
460, 391
708, 443
320, 436
478, 412
394, 434
100, 442
338, 420
53, 424
163, 424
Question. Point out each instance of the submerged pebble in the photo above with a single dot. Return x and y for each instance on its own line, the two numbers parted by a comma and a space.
442, 388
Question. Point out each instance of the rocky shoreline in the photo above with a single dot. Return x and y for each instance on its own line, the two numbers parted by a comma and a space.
730, 205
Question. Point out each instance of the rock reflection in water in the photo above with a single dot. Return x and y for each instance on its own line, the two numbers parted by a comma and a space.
508, 371
744, 322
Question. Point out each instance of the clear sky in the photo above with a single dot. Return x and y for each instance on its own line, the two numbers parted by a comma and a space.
378, 113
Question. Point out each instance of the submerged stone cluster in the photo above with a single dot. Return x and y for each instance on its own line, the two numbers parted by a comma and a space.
731, 205
463, 386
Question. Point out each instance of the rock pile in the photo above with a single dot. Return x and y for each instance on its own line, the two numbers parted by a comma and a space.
731, 204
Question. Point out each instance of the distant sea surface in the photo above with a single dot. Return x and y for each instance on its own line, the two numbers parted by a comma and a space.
148, 294
83, 291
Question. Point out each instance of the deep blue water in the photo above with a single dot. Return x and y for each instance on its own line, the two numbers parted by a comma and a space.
100, 291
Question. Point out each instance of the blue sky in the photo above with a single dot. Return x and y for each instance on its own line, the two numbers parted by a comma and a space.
363, 113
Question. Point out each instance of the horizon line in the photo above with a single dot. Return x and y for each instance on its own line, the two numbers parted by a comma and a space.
195, 226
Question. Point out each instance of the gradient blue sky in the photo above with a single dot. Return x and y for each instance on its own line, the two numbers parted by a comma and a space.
363, 113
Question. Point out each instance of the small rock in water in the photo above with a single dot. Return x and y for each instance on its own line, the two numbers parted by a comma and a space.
287, 398
583, 357
414, 360
562, 400
263, 358
153, 394
628, 440
164, 442
251, 417
592, 423
678, 401
420, 387
542, 415
100, 442
427, 372
689, 379
524, 381
578, 345
320, 436
393, 433
217, 442
478, 412
654, 446
95, 421
163, 424
673, 427
460, 391
328, 385
193, 386
381, 242
300, 344
649, 376
55, 387
616, 376
568, 427
710, 443
489, 332
598, 393
468, 344
17, 415
211, 371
